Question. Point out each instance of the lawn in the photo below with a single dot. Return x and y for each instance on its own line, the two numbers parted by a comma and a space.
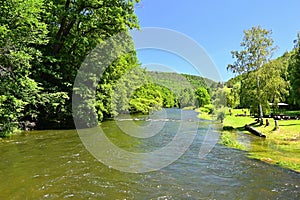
281, 146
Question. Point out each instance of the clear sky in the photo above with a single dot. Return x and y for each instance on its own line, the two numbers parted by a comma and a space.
217, 26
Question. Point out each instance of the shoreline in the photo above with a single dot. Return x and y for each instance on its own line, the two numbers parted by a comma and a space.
280, 147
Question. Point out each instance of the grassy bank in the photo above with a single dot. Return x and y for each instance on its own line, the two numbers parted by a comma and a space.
282, 146
230, 139
204, 114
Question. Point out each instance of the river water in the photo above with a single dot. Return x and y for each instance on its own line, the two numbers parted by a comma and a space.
57, 165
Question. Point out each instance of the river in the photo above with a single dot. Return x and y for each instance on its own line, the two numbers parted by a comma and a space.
55, 164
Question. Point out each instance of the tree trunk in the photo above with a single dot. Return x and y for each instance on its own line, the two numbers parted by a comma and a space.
276, 124
261, 122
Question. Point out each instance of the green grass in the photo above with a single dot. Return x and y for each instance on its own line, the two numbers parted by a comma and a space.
204, 115
229, 139
282, 146
237, 122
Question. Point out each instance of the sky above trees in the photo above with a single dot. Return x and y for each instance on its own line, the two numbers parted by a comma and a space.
218, 26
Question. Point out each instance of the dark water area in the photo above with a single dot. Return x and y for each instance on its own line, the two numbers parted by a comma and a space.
57, 165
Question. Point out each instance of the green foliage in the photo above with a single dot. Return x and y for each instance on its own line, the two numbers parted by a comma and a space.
169, 98
116, 85
206, 112
210, 108
263, 80
75, 29
43, 44
197, 81
229, 139
219, 98
202, 96
273, 88
152, 97
282, 144
257, 47
233, 95
20, 31
221, 114
203, 114
294, 69
125, 88
186, 98
182, 85
10, 109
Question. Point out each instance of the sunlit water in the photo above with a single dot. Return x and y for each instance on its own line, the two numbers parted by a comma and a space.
56, 165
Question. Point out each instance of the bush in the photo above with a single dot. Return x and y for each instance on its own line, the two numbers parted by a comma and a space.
210, 108
221, 114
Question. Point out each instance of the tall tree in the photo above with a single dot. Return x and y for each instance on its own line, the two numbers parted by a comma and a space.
76, 27
232, 95
21, 31
294, 69
257, 49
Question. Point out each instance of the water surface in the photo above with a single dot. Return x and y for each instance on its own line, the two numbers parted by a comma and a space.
56, 165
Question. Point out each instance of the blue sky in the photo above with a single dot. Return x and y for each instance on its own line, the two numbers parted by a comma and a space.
218, 27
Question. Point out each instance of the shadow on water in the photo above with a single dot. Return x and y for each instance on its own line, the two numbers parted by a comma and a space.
56, 165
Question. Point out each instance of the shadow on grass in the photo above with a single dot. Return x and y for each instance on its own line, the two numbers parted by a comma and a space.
230, 128
241, 128
289, 124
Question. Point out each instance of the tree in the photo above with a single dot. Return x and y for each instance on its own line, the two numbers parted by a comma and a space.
186, 97
294, 68
146, 99
202, 96
20, 31
232, 95
220, 98
257, 50
75, 29
221, 114
42, 45
274, 87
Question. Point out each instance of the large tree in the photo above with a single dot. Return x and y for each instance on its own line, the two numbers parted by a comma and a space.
76, 27
21, 31
42, 45
257, 49
294, 69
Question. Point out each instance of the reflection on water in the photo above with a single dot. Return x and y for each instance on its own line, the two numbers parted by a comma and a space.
56, 165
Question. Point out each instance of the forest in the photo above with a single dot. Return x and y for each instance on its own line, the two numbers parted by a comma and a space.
43, 45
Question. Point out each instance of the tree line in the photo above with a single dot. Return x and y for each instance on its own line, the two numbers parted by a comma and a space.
43, 45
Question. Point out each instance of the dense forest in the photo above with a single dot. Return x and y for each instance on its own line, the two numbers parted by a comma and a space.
43, 45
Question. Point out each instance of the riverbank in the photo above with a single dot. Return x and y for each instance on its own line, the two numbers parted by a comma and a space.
204, 114
281, 146
55, 164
